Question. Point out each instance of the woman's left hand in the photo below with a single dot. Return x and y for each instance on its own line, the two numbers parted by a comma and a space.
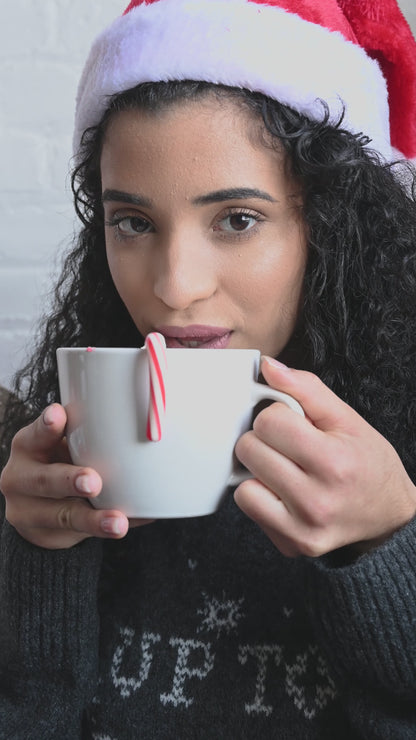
323, 481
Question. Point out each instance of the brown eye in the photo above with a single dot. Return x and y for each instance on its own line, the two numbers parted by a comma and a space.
236, 222
130, 225
133, 225
240, 221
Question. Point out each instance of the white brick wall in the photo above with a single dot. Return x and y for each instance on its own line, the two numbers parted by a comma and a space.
43, 44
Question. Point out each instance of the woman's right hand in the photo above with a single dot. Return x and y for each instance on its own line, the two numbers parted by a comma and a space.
47, 497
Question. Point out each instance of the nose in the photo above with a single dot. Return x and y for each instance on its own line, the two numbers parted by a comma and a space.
185, 272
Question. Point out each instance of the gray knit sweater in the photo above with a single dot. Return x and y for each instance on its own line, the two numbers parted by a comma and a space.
200, 629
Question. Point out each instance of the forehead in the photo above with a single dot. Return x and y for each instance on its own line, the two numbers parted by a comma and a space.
206, 139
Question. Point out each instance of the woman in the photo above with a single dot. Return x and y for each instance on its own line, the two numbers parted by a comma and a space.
221, 215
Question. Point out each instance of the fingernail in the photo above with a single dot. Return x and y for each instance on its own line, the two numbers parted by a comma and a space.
274, 363
48, 416
112, 525
83, 484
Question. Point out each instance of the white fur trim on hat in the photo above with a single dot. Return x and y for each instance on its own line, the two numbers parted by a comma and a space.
241, 44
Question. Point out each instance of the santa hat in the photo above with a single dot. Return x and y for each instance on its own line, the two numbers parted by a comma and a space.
357, 55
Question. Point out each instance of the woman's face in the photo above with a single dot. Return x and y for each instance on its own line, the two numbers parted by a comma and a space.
204, 236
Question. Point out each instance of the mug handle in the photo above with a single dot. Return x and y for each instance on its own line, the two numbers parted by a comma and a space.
261, 393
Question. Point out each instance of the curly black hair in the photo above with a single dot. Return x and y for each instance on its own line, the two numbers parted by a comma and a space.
357, 326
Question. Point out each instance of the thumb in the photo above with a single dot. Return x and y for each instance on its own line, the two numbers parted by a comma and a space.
320, 404
46, 432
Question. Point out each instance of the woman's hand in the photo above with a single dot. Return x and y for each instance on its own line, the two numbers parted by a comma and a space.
323, 481
47, 498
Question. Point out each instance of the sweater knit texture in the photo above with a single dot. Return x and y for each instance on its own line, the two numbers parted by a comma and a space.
199, 628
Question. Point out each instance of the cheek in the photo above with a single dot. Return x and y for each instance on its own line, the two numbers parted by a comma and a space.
276, 279
115, 265
126, 277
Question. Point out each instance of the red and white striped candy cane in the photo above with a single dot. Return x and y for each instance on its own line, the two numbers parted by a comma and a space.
156, 352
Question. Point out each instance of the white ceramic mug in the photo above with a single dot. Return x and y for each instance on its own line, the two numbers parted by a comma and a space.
210, 396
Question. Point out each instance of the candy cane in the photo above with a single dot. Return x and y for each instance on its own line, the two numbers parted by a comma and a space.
156, 350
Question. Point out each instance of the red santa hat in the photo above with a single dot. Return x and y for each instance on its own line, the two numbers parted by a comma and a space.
357, 55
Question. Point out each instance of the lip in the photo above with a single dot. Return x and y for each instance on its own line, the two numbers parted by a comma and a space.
208, 337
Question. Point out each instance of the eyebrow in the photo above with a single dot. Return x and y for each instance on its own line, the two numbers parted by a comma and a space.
120, 197
217, 196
